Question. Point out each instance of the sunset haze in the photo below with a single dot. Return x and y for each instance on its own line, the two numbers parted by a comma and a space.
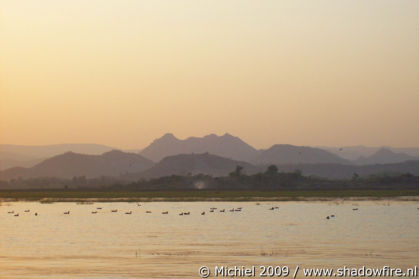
122, 73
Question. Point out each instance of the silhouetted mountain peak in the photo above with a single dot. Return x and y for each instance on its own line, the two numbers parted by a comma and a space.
168, 136
28, 156
385, 156
385, 153
226, 145
291, 154
69, 164
66, 155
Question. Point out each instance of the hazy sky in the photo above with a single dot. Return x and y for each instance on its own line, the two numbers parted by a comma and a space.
122, 73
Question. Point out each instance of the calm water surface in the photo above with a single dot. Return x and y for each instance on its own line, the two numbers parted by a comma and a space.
141, 245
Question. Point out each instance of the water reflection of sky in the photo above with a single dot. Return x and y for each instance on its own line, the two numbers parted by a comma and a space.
140, 245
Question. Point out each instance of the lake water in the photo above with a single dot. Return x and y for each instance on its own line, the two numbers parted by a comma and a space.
156, 245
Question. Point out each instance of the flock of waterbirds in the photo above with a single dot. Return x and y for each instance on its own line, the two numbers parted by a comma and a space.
98, 209
182, 213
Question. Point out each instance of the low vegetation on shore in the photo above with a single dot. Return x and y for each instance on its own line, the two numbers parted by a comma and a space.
269, 185
201, 195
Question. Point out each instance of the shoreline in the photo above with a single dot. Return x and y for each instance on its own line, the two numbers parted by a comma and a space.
255, 199
51, 196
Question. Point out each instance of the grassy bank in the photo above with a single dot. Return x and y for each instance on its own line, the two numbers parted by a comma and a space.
132, 196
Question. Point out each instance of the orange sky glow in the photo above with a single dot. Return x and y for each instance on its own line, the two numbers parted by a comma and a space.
122, 73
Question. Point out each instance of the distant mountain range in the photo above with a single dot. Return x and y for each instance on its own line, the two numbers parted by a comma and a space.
131, 167
211, 154
234, 148
28, 156
70, 164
